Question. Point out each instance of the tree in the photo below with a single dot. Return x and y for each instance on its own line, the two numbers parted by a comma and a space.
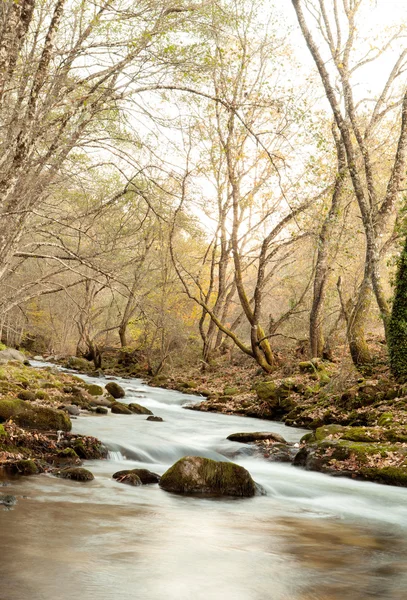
334, 36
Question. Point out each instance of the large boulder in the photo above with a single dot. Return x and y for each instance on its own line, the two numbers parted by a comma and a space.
115, 390
11, 354
257, 436
34, 417
198, 475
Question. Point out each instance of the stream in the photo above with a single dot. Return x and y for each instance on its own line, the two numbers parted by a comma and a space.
311, 537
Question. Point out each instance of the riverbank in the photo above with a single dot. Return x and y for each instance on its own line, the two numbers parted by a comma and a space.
36, 408
358, 423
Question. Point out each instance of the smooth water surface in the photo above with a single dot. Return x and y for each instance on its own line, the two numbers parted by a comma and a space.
311, 537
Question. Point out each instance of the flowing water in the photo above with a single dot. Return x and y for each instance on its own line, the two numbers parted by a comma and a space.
311, 537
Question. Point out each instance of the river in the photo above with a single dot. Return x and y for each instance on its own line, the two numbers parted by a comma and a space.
312, 537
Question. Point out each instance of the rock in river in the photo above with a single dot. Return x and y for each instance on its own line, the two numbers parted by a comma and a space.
198, 475
121, 409
115, 390
257, 436
153, 418
76, 474
137, 409
144, 475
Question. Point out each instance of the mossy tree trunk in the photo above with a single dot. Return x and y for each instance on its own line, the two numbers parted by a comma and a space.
397, 330
358, 346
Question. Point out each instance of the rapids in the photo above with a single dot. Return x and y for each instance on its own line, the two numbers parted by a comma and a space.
311, 537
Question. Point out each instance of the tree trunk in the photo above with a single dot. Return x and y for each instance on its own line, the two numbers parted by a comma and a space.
397, 331
356, 327
322, 266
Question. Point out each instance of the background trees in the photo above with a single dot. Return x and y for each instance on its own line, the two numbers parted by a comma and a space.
172, 179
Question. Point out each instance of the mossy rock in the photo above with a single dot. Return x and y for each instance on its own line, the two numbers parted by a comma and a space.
145, 476
26, 395
75, 474
101, 410
23, 467
89, 448
387, 475
385, 419
137, 409
118, 408
188, 385
79, 364
129, 479
115, 390
34, 417
41, 395
94, 390
246, 438
230, 391
2, 431
198, 475
266, 390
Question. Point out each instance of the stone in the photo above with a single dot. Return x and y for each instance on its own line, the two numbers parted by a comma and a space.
119, 408
145, 476
129, 479
101, 410
34, 417
153, 418
94, 390
246, 438
11, 354
8, 500
75, 474
137, 409
72, 409
198, 475
26, 395
22, 467
115, 390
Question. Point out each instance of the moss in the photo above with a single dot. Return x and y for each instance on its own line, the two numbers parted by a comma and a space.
387, 475
67, 453
308, 438
323, 432
2, 431
266, 390
26, 395
23, 467
41, 395
385, 419
230, 391
94, 390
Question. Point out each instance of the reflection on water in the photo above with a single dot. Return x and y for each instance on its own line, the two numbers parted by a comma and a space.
311, 537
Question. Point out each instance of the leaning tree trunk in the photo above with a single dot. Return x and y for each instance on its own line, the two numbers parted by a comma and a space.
322, 266
397, 330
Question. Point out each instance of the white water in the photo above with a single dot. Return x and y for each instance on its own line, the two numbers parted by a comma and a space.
312, 536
